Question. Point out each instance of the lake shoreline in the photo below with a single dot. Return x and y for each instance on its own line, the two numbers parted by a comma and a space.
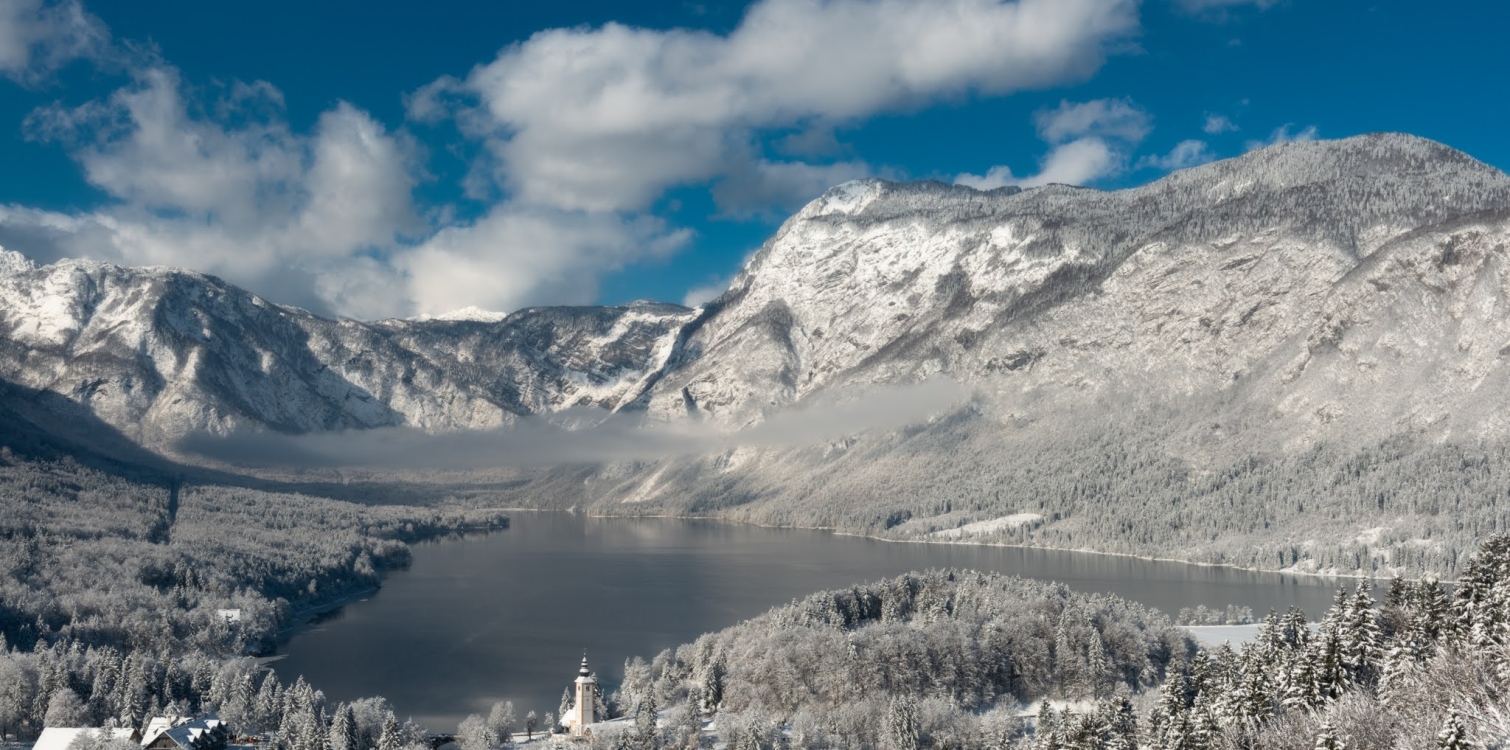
1081, 551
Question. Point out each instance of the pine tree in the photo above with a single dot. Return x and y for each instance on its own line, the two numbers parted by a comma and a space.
647, 734
1327, 738
1454, 734
902, 730
1331, 677
1359, 633
1302, 688
566, 705
1099, 668
1120, 724
344, 732
389, 739
1295, 633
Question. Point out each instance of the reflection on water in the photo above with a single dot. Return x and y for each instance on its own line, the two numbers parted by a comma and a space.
507, 616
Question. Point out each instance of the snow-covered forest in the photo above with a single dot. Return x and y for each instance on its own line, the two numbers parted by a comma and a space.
1398, 506
961, 660
95, 558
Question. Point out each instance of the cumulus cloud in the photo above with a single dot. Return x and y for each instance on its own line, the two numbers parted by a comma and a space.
517, 256
1218, 124
1283, 134
1103, 118
38, 37
575, 437
256, 203
608, 118
581, 132
1073, 163
1089, 142
1185, 154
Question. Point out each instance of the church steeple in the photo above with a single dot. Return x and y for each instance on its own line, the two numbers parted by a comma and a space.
584, 713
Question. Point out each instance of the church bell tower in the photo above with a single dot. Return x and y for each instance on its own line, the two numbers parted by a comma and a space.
582, 714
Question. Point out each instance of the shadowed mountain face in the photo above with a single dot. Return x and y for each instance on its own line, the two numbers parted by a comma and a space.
1323, 296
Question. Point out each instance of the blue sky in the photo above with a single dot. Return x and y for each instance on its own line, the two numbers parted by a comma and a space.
375, 159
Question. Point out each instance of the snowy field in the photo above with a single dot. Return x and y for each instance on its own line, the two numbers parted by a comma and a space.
1216, 635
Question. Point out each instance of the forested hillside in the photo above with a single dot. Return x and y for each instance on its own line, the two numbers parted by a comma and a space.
97, 559
949, 656
1083, 480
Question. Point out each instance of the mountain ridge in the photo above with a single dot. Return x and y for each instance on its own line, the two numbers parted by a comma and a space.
1221, 324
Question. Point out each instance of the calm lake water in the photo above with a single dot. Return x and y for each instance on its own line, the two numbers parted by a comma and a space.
507, 616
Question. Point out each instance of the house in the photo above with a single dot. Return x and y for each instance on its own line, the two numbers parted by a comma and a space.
206, 732
59, 738
160, 724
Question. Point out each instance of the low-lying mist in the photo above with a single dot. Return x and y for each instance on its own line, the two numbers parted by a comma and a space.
581, 436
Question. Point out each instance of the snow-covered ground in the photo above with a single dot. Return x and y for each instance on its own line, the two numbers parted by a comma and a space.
1216, 635
992, 526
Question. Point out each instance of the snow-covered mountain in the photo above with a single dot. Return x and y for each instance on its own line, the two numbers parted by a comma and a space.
1298, 277
1325, 280
159, 353
1324, 296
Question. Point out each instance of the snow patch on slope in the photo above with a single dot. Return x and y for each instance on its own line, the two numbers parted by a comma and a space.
982, 528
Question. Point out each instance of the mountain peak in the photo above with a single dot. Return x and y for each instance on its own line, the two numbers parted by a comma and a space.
12, 263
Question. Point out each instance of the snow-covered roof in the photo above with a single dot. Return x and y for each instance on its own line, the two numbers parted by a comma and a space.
59, 738
160, 724
191, 734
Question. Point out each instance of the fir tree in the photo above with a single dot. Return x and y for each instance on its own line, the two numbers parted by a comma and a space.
1454, 734
1360, 640
647, 734
1327, 738
389, 739
902, 730
344, 733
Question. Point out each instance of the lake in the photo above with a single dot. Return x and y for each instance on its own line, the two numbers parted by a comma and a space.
506, 616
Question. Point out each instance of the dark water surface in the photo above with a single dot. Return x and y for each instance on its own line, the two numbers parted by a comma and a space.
507, 615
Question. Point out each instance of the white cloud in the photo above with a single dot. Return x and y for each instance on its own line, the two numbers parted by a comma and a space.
256, 203
1105, 118
37, 37
582, 131
702, 294
1185, 154
1090, 141
608, 118
518, 256
1074, 163
1218, 124
1282, 134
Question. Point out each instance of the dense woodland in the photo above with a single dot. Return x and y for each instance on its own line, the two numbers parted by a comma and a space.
95, 559
957, 653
